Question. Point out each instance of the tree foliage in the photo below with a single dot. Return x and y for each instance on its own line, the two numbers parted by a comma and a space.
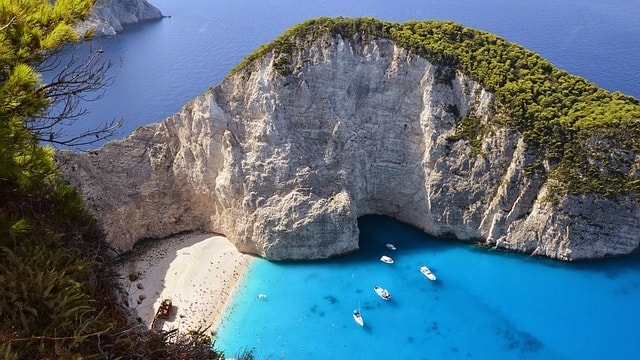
58, 297
32, 35
31, 30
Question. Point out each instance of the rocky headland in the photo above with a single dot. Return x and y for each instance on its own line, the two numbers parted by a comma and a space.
108, 17
329, 124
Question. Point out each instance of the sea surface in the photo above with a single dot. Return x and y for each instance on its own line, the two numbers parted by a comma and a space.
161, 65
485, 304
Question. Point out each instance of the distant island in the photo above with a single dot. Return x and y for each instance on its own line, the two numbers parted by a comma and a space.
453, 130
109, 17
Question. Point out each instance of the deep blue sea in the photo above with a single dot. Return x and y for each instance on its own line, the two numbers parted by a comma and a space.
485, 304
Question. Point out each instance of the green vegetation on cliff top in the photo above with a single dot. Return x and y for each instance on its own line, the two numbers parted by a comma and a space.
589, 136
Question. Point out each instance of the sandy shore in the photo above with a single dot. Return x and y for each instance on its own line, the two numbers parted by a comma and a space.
198, 272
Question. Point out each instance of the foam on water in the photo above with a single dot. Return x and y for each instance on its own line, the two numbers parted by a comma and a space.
485, 304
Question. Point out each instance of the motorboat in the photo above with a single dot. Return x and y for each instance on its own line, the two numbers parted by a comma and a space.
390, 246
382, 292
357, 316
426, 272
386, 259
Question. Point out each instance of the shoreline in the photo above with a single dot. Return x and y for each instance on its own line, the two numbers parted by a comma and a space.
199, 273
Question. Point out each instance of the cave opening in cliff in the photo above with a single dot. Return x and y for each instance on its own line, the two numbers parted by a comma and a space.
376, 231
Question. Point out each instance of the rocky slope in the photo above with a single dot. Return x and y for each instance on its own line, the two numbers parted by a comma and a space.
108, 17
284, 165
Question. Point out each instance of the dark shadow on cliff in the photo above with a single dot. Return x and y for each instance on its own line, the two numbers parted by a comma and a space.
380, 229
376, 231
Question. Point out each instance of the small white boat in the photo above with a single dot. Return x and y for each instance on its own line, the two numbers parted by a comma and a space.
386, 259
426, 272
390, 246
382, 292
358, 317
262, 296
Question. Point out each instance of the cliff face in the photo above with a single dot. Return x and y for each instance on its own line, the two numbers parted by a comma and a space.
284, 166
108, 17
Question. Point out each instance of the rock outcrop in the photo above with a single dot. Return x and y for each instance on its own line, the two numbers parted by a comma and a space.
108, 17
284, 165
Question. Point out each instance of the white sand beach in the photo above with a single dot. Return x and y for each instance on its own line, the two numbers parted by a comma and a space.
198, 272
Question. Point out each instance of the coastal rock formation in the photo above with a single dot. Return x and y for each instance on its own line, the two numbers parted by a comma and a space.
108, 17
284, 165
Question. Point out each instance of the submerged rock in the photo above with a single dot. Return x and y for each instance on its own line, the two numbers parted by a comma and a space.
284, 163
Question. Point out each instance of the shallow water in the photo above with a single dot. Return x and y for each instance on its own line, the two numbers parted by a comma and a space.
484, 305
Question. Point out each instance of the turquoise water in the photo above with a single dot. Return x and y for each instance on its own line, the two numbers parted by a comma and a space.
485, 304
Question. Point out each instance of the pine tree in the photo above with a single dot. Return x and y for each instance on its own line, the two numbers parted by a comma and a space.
56, 286
44, 290
32, 35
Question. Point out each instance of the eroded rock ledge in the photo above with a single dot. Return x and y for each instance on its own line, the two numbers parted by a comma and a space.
284, 166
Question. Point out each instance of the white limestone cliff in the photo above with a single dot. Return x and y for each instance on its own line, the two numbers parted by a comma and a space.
108, 17
284, 166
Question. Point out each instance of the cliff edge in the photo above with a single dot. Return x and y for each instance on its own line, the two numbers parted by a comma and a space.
325, 126
108, 17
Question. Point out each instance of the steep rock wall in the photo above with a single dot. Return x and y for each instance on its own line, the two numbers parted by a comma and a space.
284, 166
108, 17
